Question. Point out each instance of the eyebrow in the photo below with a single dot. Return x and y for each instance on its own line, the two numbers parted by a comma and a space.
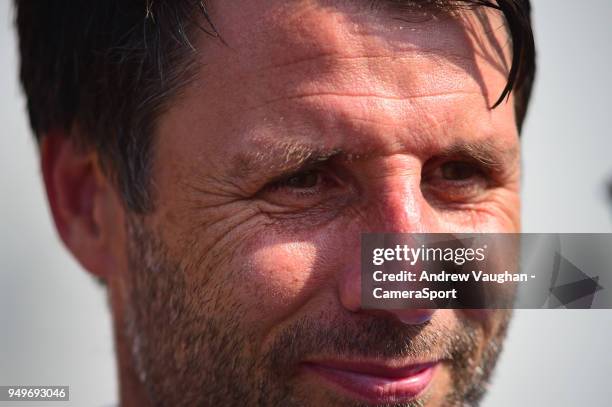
280, 158
486, 152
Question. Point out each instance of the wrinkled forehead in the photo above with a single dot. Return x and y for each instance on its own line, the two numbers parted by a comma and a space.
342, 72
280, 49
289, 29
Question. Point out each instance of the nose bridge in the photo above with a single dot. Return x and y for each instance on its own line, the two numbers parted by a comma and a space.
395, 201
395, 204
398, 208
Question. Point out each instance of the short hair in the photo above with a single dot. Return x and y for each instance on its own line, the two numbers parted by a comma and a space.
110, 68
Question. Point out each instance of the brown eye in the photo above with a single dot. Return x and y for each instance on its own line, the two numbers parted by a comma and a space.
458, 171
304, 189
454, 181
302, 180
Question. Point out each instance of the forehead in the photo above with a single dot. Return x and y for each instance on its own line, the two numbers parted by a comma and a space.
271, 36
337, 71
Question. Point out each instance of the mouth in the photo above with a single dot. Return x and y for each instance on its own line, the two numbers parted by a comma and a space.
374, 382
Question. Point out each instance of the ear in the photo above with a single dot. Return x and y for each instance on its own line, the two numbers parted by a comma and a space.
85, 206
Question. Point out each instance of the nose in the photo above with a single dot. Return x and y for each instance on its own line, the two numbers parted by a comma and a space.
399, 207
349, 288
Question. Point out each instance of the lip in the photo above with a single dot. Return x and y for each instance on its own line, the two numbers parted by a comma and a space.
375, 383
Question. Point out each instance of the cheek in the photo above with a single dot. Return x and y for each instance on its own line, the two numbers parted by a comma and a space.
499, 214
295, 274
283, 274
502, 213
491, 321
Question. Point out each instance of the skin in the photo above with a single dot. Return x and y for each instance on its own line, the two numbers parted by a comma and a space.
319, 121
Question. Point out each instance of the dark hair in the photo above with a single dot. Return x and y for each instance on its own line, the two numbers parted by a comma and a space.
111, 67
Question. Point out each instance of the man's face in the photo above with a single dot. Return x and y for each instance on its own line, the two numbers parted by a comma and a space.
317, 122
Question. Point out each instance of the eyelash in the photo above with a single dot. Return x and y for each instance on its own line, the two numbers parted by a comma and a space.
456, 190
284, 182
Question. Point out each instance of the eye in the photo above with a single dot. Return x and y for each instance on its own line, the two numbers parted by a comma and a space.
307, 188
458, 171
454, 181
301, 188
301, 180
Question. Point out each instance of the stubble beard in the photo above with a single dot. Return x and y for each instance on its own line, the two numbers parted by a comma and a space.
190, 349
